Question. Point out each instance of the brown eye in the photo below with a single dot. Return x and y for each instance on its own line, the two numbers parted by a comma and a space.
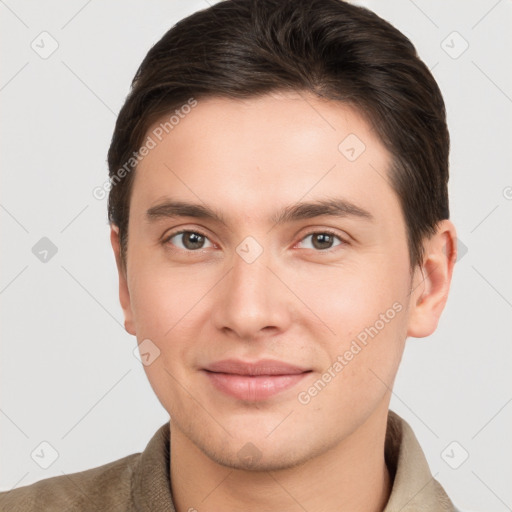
322, 240
190, 240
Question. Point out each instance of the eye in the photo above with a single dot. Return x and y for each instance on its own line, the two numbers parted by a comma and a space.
190, 240
322, 240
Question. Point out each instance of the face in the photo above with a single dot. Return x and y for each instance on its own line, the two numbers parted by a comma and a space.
257, 275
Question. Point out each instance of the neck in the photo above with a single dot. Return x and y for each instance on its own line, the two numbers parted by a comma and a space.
350, 477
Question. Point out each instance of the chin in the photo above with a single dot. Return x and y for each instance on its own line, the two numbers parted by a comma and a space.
252, 458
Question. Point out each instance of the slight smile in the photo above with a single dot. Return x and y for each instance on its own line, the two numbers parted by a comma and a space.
254, 381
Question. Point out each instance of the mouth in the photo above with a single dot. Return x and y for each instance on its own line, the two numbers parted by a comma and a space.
254, 381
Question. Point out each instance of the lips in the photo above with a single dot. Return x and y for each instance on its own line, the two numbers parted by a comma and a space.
253, 381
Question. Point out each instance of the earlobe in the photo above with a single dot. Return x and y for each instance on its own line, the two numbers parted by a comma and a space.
124, 293
431, 282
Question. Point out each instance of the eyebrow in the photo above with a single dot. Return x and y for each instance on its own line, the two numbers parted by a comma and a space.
335, 207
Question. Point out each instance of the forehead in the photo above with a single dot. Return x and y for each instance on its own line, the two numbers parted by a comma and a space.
246, 157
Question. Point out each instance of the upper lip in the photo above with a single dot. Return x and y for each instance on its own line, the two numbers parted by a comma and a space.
261, 367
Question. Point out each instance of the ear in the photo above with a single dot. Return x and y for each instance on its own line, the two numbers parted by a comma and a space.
124, 293
431, 281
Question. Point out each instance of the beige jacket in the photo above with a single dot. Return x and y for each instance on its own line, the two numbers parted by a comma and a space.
140, 482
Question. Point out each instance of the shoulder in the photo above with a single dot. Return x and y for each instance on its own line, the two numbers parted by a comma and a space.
104, 488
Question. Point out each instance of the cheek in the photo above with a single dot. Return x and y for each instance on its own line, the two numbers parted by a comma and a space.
171, 307
363, 357
365, 313
350, 297
168, 309
163, 298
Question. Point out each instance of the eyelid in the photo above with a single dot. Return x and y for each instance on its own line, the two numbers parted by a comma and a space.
315, 231
328, 231
172, 234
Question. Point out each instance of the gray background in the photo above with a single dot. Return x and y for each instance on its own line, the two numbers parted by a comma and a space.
68, 374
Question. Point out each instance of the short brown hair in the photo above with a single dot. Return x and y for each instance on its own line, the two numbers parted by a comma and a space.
338, 51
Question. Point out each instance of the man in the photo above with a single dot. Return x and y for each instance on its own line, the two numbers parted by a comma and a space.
279, 216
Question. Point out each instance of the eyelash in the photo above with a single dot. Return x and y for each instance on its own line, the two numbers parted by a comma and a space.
323, 232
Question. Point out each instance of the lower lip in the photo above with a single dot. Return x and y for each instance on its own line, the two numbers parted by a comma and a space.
253, 388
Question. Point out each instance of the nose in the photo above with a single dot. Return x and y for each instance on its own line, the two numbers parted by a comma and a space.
252, 300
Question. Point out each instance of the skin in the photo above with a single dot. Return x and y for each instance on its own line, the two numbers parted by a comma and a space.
296, 302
